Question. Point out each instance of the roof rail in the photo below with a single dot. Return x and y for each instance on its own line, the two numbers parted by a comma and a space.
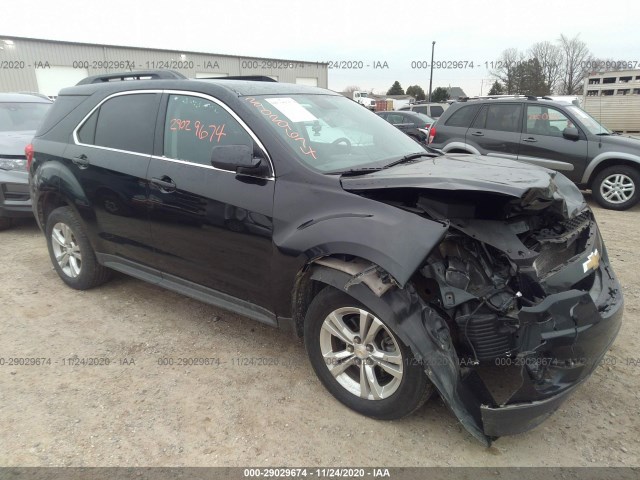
139, 75
36, 94
497, 97
255, 78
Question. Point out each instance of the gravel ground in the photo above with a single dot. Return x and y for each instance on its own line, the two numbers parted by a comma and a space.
137, 411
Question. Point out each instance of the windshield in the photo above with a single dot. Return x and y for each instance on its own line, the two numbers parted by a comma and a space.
332, 133
15, 117
588, 121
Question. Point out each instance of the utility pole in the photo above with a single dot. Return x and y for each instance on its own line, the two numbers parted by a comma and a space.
433, 45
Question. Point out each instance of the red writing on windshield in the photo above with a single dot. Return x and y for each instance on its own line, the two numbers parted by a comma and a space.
200, 130
295, 136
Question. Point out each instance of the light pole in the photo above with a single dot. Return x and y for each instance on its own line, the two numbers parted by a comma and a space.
433, 45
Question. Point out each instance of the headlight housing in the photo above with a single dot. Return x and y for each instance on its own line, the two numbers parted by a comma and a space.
13, 164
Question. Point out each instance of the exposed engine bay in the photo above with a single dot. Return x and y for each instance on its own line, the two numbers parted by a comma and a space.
523, 285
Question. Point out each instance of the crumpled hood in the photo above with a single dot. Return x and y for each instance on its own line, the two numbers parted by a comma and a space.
452, 172
13, 143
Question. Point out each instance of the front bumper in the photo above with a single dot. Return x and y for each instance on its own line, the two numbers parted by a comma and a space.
569, 357
14, 195
563, 340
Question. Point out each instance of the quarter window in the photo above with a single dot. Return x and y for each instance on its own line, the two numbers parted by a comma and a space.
126, 122
195, 125
463, 117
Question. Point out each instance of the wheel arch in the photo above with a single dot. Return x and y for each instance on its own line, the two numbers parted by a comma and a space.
611, 162
423, 330
607, 160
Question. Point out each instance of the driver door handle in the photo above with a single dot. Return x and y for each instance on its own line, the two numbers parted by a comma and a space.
165, 183
81, 161
477, 134
530, 140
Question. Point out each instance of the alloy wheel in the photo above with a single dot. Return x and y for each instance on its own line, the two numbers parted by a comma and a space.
361, 353
66, 249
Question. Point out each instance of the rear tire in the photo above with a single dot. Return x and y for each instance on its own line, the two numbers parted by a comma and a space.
71, 253
360, 360
616, 188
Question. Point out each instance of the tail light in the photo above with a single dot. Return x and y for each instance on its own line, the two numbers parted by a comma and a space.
28, 152
426, 127
432, 134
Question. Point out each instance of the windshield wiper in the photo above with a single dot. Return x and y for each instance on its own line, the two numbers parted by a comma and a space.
359, 171
411, 156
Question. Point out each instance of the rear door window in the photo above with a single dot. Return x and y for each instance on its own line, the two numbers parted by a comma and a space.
504, 117
125, 122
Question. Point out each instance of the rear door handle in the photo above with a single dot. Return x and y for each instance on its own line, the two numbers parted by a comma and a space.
81, 161
165, 183
477, 134
530, 140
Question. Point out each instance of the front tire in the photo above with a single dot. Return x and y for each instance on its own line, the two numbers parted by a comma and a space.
360, 360
616, 188
71, 253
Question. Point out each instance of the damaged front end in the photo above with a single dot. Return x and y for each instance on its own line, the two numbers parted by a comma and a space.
519, 301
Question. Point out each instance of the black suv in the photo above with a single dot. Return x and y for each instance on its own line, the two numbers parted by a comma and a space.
406, 272
554, 134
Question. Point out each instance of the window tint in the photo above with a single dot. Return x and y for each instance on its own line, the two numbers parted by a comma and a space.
481, 119
505, 117
195, 125
127, 122
547, 121
463, 116
395, 118
436, 111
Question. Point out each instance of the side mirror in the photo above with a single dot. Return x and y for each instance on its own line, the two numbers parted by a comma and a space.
239, 159
571, 133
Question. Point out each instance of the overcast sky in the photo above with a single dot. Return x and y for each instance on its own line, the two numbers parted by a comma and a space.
395, 32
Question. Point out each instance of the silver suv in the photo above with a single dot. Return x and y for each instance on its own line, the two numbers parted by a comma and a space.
433, 110
554, 134
20, 115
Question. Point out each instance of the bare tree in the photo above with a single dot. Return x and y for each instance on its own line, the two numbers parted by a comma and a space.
507, 67
551, 61
576, 58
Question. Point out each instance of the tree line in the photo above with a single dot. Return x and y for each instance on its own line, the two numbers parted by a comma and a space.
545, 68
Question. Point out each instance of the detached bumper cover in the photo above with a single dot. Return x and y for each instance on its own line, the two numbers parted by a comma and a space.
565, 337
569, 360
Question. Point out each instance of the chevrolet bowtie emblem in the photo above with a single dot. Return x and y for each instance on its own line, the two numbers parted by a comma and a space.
592, 262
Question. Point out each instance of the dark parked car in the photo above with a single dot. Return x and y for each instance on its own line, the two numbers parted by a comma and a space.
416, 125
20, 116
554, 134
406, 272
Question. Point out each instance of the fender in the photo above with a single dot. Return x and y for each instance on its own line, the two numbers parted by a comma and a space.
424, 331
598, 159
396, 240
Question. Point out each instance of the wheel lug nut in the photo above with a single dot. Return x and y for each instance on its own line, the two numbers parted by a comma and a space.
369, 348
350, 348
357, 340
